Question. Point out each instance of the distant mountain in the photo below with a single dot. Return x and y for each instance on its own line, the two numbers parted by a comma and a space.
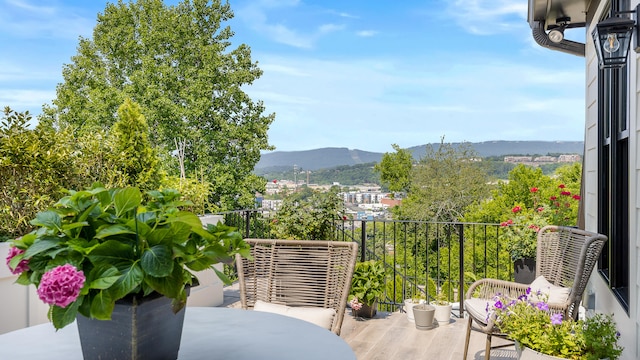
331, 157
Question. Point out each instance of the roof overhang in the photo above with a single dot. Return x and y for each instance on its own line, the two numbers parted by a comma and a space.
545, 15
550, 11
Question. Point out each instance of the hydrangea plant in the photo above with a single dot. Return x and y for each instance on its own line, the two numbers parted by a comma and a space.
97, 246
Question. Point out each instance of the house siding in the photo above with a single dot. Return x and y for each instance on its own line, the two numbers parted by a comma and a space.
605, 301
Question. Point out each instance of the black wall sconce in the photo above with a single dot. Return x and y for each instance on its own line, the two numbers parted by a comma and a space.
612, 38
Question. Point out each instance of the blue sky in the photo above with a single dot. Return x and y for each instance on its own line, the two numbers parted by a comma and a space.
357, 74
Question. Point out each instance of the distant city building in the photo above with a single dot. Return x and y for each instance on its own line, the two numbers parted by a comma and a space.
517, 159
271, 204
570, 158
548, 159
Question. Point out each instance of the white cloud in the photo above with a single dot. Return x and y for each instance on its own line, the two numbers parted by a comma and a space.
22, 19
486, 17
258, 17
366, 33
20, 99
412, 102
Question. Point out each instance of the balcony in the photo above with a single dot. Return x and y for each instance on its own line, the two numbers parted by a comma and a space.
414, 253
390, 336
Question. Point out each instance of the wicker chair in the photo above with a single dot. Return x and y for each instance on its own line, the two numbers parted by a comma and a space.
565, 257
298, 273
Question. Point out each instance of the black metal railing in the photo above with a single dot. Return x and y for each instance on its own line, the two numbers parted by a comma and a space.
422, 257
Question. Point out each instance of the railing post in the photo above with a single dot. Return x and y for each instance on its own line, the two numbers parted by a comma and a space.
247, 218
363, 239
461, 257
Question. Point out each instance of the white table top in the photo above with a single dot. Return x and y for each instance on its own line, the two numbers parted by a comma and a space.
208, 333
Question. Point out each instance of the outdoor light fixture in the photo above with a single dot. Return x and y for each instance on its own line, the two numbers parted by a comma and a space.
556, 35
612, 38
556, 32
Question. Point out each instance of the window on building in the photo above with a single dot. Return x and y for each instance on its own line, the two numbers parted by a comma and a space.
613, 173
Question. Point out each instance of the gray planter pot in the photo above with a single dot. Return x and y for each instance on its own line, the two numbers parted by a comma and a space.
423, 316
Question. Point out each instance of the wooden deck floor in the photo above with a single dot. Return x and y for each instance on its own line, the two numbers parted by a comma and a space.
389, 336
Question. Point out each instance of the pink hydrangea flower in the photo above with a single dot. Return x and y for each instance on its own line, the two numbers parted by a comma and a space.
61, 285
23, 265
355, 304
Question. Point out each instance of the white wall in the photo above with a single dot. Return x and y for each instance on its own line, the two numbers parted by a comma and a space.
19, 305
605, 302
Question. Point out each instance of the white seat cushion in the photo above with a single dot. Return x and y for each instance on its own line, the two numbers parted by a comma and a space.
315, 315
479, 309
548, 292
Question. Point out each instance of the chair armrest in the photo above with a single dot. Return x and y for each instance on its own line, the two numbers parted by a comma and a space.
488, 288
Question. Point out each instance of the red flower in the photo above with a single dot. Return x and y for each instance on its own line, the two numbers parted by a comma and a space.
576, 197
516, 209
565, 193
553, 198
540, 209
534, 189
561, 186
344, 217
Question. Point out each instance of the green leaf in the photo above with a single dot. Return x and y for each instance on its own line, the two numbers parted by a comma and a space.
169, 286
188, 218
49, 219
162, 236
157, 261
126, 200
42, 245
111, 252
111, 230
131, 278
103, 276
102, 306
61, 317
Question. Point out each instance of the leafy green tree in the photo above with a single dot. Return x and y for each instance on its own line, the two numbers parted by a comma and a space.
137, 159
34, 169
395, 169
308, 215
175, 62
444, 183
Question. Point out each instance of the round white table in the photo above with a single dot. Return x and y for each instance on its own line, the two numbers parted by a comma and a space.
208, 333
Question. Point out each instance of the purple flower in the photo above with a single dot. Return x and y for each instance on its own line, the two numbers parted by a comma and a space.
542, 306
529, 290
498, 305
23, 265
556, 319
523, 297
61, 285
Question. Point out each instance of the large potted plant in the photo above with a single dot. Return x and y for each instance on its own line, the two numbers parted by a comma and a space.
540, 334
521, 229
367, 286
98, 253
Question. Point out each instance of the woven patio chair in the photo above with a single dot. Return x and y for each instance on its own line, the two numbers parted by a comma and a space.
299, 278
565, 256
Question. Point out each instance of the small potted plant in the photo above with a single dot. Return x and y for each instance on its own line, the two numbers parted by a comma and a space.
409, 303
442, 308
101, 250
538, 332
367, 286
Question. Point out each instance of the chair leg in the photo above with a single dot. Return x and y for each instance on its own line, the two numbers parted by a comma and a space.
466, 340
487, 353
